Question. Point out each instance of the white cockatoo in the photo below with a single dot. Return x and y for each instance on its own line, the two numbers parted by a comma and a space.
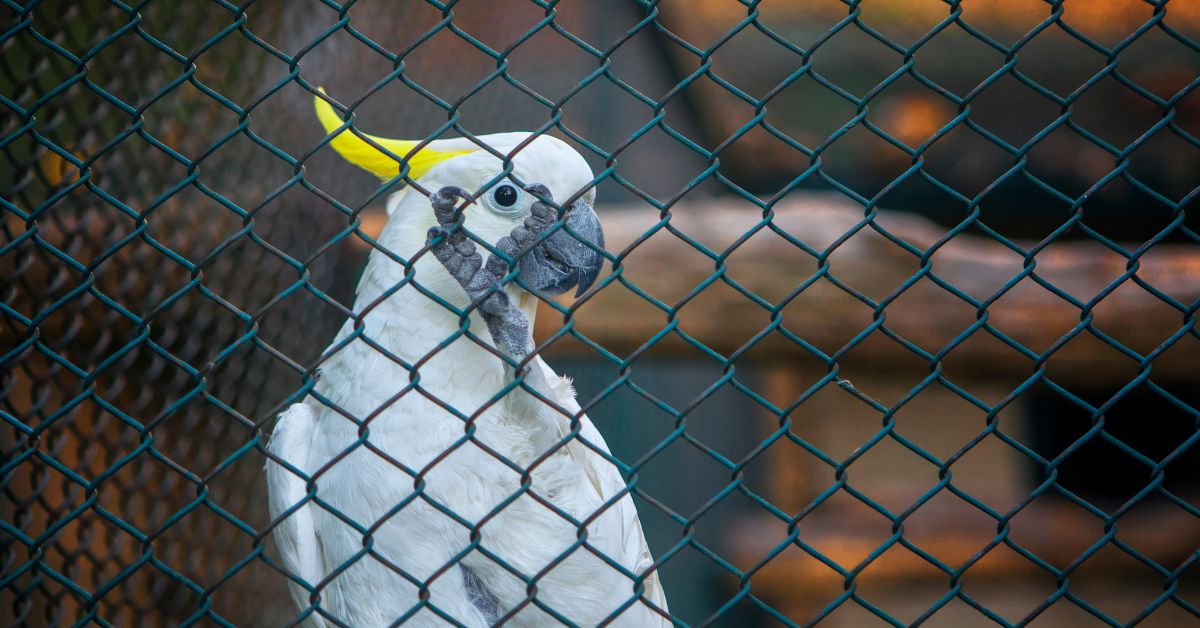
408, 486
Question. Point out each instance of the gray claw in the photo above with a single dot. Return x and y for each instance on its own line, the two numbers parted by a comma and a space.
446, 206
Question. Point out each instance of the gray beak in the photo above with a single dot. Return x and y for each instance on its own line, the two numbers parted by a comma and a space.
562, 261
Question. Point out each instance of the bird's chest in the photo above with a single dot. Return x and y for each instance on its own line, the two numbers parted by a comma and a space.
413, 402
408, 457
450, 410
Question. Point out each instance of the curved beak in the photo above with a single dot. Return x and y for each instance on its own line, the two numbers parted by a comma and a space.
563, 261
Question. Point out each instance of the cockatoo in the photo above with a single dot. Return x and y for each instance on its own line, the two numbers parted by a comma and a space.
409, 486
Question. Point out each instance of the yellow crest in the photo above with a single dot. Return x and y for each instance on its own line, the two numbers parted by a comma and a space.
362, 154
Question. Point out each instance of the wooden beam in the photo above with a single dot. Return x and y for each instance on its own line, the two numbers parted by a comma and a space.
863, 262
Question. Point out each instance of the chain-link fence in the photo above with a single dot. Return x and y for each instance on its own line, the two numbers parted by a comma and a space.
898, 321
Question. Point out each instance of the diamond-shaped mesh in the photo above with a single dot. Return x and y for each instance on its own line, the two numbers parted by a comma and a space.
979, 409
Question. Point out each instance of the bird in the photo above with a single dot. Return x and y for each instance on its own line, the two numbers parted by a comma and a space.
439, 472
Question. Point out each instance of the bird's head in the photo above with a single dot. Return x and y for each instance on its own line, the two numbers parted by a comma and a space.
543, 169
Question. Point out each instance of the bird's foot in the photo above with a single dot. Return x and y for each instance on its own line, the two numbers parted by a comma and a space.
460, 257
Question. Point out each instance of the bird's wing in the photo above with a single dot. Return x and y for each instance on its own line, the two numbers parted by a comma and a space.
295, 536
607, 480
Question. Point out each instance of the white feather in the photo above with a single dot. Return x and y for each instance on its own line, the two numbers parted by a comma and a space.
295, 535
608, 482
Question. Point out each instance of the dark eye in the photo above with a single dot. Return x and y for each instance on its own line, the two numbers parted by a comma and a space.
505, 195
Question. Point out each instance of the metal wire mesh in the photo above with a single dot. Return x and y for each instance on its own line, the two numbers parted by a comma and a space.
180, 242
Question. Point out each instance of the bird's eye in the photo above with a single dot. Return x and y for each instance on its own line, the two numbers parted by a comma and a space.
507, 199
505, 195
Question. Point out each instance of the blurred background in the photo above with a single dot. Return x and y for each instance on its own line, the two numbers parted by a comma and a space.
929, 277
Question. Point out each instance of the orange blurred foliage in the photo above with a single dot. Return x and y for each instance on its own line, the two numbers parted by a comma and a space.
914, 118
1092, 17
57, 170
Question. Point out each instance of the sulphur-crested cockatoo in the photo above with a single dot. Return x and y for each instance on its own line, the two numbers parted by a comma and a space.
409, 486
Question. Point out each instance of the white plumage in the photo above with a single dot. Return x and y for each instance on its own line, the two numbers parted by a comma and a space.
372, 426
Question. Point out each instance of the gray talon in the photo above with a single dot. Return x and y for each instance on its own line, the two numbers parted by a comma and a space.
445, 204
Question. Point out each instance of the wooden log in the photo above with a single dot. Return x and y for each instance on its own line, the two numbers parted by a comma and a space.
871, 268
866, 276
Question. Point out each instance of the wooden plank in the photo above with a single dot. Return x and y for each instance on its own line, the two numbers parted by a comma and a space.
868, 264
